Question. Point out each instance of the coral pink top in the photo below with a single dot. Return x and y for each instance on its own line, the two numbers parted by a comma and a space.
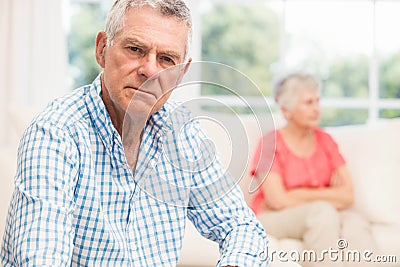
313, 171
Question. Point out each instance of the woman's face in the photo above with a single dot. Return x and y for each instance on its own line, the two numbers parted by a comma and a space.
305, 112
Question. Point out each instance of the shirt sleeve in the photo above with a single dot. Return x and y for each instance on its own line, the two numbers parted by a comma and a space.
39, 223
218, 210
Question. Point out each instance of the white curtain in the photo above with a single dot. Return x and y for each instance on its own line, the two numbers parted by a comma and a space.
33, 59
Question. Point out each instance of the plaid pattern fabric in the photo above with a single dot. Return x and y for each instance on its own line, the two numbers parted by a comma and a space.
77, 203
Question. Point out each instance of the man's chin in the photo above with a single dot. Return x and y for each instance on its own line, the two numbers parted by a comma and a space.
139, 111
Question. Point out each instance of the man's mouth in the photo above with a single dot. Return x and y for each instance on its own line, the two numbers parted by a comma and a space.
140, 90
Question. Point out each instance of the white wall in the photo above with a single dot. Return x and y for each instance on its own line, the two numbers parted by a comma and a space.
33, 59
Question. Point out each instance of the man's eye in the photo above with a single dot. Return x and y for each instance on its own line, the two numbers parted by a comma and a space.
168, 60
135, 49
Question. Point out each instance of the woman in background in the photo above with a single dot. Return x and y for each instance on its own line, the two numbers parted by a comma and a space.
307, 191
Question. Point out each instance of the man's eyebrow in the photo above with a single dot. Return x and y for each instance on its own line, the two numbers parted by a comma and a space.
132, 41
170, 53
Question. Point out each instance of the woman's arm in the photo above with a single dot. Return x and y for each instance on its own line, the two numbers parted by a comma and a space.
339, 193
276, 196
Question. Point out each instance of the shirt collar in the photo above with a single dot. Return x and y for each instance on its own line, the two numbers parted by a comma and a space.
98, 113
160, 121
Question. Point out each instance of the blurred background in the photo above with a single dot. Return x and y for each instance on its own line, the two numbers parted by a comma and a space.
351, 46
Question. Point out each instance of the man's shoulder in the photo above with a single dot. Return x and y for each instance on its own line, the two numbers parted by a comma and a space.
66, 110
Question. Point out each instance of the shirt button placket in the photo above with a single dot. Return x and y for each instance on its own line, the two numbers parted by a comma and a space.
130, 233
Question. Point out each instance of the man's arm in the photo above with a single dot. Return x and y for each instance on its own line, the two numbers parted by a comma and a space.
39, 224
218, 210
221, 214
216, 205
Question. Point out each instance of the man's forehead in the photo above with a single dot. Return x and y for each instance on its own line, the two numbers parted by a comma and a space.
152, 27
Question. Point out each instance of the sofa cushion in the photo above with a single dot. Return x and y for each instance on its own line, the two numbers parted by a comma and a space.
372, 153
387, 237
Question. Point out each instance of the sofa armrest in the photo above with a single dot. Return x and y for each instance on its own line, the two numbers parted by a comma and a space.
197, 250
7, 172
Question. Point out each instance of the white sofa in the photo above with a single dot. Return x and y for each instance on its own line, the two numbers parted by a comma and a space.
372, 153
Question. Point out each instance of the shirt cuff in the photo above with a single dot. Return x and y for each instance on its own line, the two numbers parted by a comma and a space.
244, 260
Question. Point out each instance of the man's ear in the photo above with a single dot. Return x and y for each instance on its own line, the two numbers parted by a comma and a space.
101, 43
187, 65
183, 71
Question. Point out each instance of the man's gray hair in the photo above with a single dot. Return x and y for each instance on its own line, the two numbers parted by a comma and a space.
171, 8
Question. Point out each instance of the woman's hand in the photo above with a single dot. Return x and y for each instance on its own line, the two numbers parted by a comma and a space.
336, 180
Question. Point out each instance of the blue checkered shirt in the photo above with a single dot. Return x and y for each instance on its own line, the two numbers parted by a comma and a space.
77, 203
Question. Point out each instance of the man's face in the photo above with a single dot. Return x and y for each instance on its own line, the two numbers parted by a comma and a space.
148, 43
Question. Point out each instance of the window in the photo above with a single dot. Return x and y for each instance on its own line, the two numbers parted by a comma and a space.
335, 50
243, 36
86, 19
356, 55
388, 49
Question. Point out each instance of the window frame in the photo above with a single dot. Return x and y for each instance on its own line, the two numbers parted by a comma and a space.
373, 104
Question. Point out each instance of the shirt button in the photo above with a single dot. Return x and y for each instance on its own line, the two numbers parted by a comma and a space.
133, 245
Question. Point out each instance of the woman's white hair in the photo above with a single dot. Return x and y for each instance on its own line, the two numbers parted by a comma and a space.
285, 90
172, 8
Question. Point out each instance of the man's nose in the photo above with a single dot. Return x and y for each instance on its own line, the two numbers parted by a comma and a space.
149, 66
